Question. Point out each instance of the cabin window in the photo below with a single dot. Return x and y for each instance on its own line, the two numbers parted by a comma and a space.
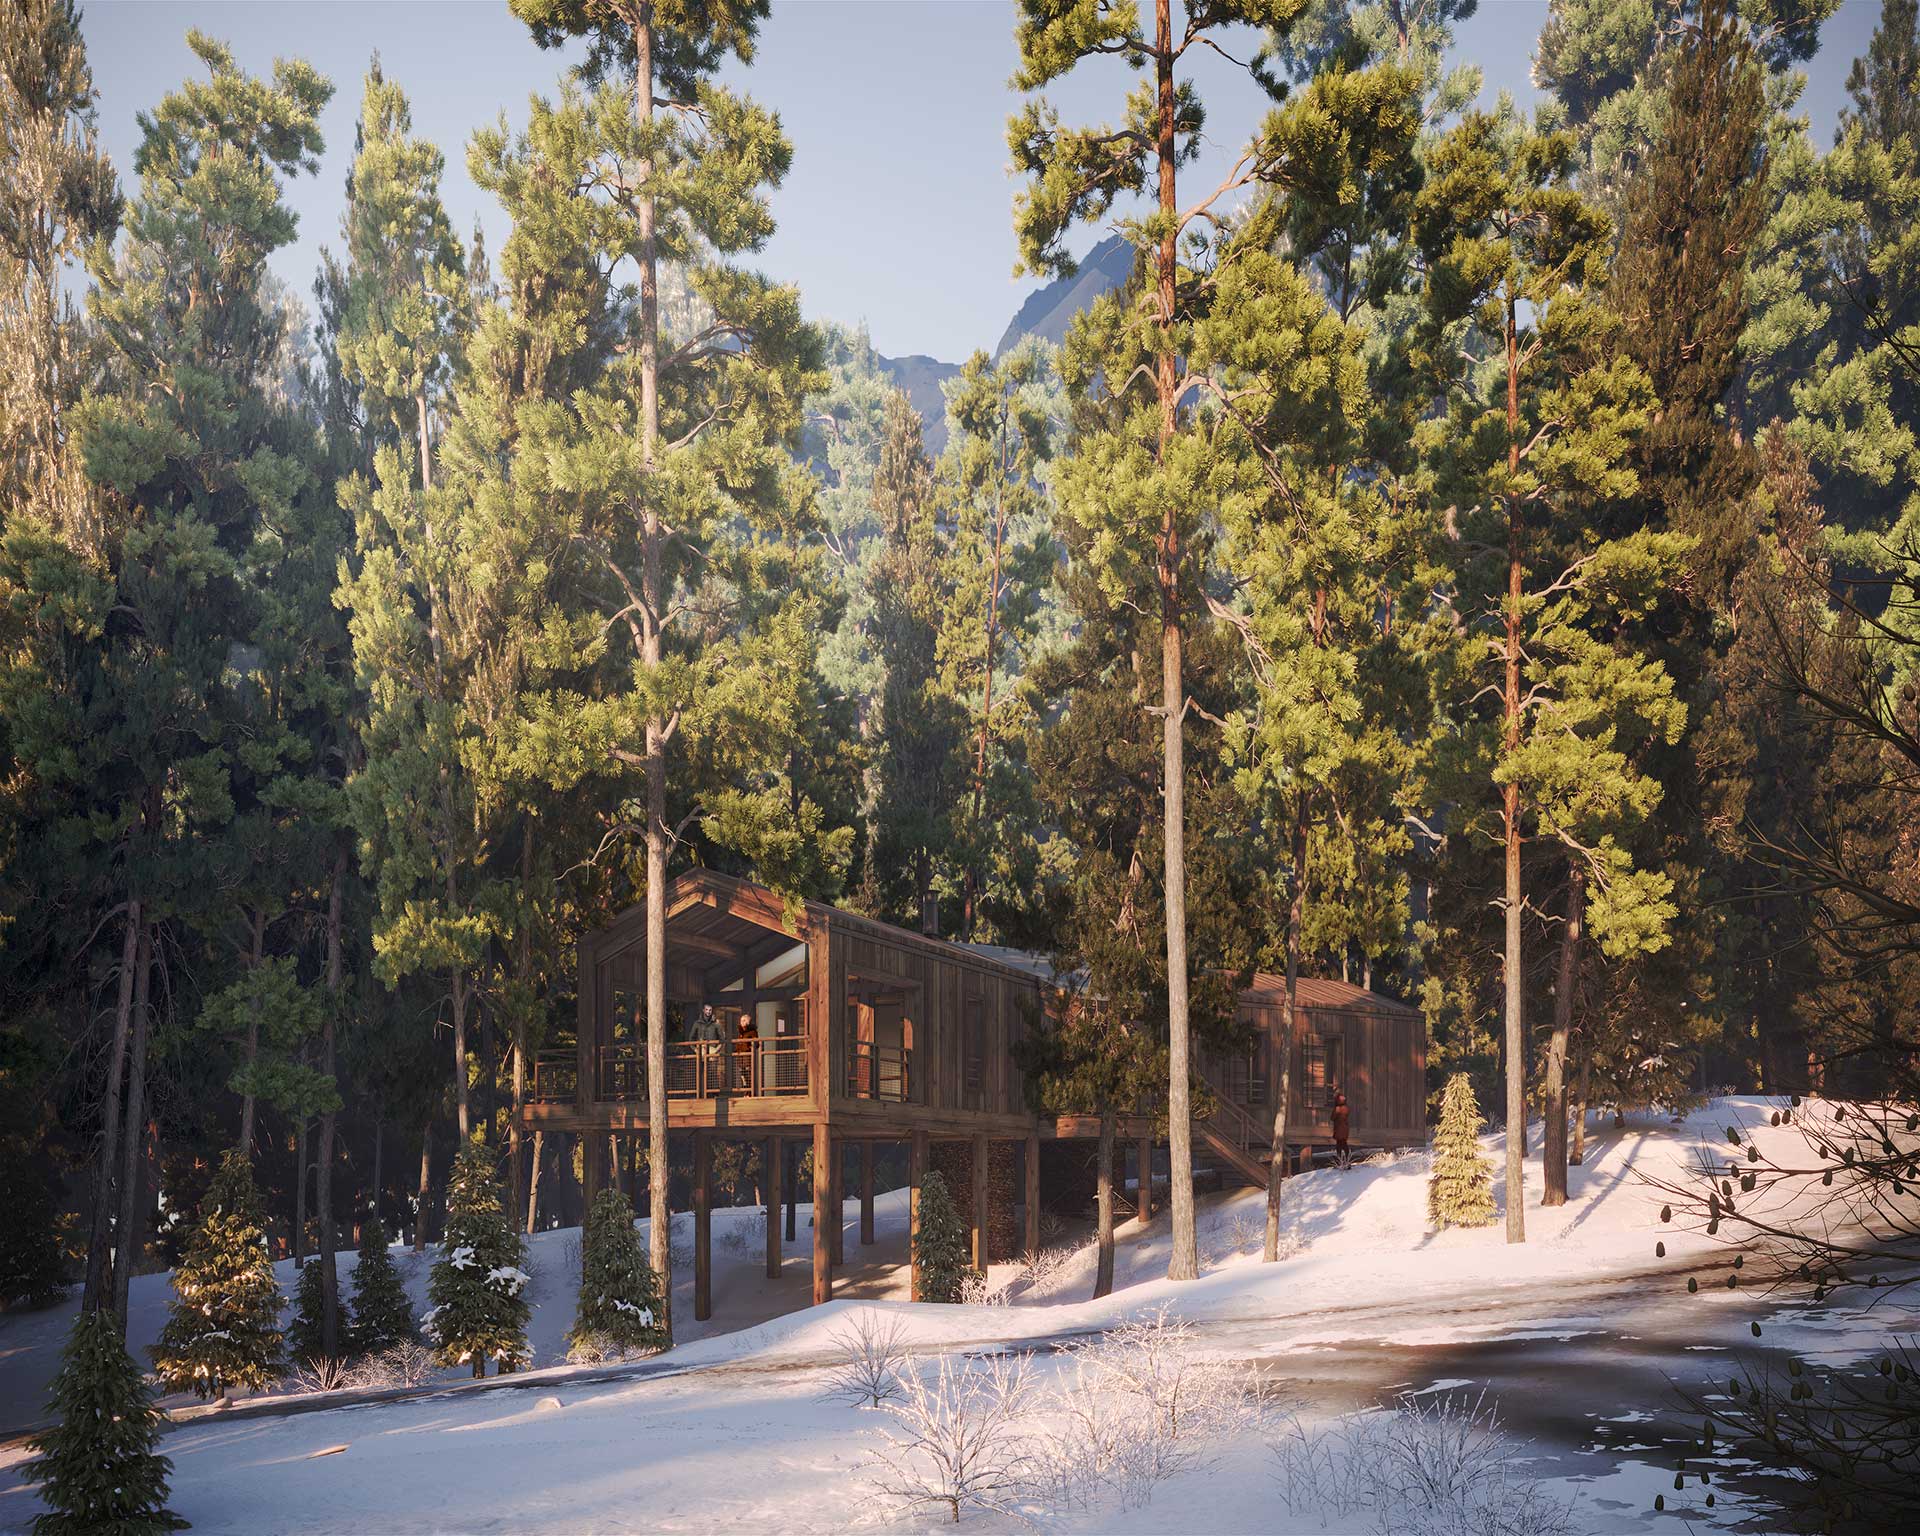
1324, 1070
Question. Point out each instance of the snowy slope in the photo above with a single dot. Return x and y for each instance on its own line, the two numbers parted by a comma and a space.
1368, 1303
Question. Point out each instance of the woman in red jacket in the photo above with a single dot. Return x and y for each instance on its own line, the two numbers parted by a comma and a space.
1341, 1120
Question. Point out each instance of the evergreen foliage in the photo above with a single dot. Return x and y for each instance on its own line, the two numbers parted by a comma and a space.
33, 1264
305, 1328
99, 1469
223, 1328
1460, 1187
940, 1255
478, 1288
619, 1306
381, 1310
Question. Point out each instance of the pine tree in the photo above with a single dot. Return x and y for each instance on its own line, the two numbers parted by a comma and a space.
1460, 1188
306, 1329
619, 1306
381, 1309
99, 1469
1140, 483
223, 1330
940, 1257
691, 513
478, 1287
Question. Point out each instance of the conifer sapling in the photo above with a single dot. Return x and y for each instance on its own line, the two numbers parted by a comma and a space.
940, 1244
478, 1286
224, 1328
1460, 1188
619, 1307
98, 1469
382, 1312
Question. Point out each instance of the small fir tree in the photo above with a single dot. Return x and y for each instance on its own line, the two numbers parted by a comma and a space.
1460, 1189
619, 1306
382, 1311
99, 1471
478, 1288
224, 1330
940, 1244
306, 1338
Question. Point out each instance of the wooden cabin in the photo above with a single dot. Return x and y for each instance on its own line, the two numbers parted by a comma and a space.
800, 1022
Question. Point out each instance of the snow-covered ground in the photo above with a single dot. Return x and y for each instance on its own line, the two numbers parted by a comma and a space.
1576, 1334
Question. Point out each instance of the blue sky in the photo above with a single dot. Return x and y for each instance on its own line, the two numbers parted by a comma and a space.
897, 211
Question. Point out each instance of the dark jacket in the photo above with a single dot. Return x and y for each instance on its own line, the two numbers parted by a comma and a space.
1341, 1117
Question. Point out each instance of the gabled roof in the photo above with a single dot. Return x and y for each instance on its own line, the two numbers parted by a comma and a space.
1316, 992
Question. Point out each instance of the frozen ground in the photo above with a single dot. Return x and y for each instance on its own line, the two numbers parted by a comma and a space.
1579, 1335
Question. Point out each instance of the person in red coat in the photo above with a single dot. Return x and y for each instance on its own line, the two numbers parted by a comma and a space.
1342, 1118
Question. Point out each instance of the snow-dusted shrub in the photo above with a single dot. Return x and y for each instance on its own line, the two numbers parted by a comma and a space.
1041, 1272
1433, 1466
1137, 1405
976, 1290
960, 1439
406, 1364
319, 1373
593, 1347
870, 1350
745, 1236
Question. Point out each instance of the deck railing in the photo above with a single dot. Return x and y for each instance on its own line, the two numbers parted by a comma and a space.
696, 1069
883, 1072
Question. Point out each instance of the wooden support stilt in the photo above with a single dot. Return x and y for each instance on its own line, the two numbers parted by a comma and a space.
866, 1194
702, 1226
823, 1214
790, 1173
1144, 1157
770, 1164
837, 1165
980, 1203
916, 1176
1033, 1193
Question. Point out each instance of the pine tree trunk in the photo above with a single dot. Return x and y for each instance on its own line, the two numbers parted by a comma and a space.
323, 1182
1515, 1019
516, 1171
1579, 1153
300, 1191
974, 881
1103, 1201
1283, 1093
653, 606
256, 958
1553, 1139
426, 1173
533, 1184
95, 1293
379, 1146
1183, 1262
461, 1114
133, 1141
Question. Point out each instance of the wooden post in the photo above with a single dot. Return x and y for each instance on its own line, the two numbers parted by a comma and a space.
1144, 1156
790, 1174
770, 1164
1033, 1192
916, 1176
980, 1203
702, 1226
837, 1163
866, 1194
822, 1214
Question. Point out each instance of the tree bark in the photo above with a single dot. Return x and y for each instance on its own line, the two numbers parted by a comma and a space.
1515, 1018
379, 1147
461, 1113
1183, 1263
256, 958
1553, 1139
100, 1241
515, 1171
1283, 1090
426, 1172
1579, 1152
133, 1142
1103, 1203
323, 1182
986, 692
300, 1191
533, 1184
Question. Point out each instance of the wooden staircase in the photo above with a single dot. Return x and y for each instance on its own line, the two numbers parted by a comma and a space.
1233, 1134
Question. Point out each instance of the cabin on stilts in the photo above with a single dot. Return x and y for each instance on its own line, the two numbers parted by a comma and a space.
796, 1024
